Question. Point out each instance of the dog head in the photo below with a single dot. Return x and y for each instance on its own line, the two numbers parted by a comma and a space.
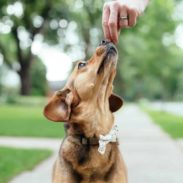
88, 91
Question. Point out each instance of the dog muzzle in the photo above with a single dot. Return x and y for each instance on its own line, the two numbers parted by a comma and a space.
112, 136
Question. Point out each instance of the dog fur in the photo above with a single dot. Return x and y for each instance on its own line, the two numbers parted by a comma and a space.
86, 104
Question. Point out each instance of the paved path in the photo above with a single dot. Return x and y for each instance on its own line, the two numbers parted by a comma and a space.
26, 142
171, 107
150, 154
42, 173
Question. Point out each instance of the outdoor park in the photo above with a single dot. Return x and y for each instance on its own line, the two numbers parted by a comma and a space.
39, 43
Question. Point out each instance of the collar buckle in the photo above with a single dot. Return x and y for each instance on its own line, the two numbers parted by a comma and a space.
84, 141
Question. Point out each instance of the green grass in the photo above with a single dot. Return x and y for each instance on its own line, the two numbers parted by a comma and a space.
14, 161
17, 120
170, 123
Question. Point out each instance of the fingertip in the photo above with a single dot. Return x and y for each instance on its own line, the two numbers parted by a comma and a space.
115, 40
107, 38
113, 34
132, 17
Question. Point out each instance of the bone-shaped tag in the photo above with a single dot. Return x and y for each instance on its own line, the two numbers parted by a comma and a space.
110, 137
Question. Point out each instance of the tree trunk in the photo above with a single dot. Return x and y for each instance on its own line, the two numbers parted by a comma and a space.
25, 79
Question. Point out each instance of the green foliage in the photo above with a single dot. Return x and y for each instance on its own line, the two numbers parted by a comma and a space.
172, 124
1, 86
39, 81
179, 91
14, 161
25, 20
27, 120
15, 99
30, 101
149, 66
11, 99
150, 63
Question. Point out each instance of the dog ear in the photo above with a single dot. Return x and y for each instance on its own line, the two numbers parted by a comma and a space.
59, 107
115, 102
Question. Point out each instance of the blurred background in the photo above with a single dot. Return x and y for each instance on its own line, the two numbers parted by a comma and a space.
39, 41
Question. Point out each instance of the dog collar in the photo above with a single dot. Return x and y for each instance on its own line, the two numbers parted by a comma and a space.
89, 141
112, 136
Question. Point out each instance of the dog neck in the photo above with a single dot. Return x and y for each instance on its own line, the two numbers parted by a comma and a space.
89, 129
111, 137
92, 121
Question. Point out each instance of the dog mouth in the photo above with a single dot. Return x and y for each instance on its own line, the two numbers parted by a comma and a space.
110, 52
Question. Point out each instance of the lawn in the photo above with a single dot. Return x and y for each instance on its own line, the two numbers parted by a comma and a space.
14, 161
172, 124
27, 120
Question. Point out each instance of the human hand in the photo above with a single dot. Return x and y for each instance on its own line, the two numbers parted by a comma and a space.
117, 16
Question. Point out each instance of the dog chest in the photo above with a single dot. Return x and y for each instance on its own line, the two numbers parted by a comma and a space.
87, 161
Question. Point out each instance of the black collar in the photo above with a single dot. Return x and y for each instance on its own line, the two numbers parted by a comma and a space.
91, 141
87, 141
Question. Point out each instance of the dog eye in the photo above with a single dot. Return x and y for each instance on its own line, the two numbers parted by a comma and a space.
81, 65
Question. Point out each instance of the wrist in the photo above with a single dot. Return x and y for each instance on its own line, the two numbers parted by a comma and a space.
139, 5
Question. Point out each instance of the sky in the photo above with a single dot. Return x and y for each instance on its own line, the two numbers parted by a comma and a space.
57, 63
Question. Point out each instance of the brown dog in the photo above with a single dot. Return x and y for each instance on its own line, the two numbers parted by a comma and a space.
86, 103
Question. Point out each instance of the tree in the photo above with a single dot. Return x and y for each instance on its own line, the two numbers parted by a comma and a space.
150, 65
1, 86
144, 57
38, 77
21, 22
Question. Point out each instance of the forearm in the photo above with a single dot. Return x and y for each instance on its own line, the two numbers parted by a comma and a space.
140, 5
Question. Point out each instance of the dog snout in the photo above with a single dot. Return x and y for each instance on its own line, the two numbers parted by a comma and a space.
111, 48
109, 45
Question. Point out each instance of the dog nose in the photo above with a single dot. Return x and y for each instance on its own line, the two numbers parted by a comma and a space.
104, 42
